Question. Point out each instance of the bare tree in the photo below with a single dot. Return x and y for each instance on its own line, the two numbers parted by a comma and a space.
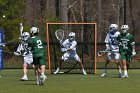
63, 11
100, 20
131, 16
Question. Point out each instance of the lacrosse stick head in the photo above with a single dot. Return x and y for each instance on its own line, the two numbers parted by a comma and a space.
59, 34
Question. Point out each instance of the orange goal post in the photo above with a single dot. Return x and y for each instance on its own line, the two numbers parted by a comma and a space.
86, 37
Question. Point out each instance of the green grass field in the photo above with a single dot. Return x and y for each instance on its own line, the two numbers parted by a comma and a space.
70, 83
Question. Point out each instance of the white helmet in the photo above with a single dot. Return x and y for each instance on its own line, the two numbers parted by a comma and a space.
71, 36
34, 30
124, 28
25, 36
113, 28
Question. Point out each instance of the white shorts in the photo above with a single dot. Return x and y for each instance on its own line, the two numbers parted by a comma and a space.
28, 59
71, 56
115, 56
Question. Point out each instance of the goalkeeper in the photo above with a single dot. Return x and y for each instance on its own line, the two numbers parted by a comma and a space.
127, 48
70, 49
112, 46
27, 55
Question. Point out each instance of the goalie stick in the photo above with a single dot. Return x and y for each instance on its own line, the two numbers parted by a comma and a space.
59, 35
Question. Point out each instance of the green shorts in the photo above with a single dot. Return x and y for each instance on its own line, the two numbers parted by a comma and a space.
39, 60
127, 57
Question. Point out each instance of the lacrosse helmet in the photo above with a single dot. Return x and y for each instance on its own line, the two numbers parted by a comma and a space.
71, 36
34, 30
113, 28
25, 36
124, 29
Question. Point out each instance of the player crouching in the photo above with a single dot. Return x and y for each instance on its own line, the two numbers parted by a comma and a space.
70, 52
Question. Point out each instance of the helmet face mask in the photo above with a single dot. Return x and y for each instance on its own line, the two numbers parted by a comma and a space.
124, 29
113, 28
25, 36
71, 36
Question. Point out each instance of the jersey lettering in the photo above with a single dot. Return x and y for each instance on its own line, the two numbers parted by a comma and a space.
39, 44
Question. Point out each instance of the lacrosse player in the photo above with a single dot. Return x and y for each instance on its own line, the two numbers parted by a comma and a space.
38, 49
127, 48
70, 52
113, 48
27, 55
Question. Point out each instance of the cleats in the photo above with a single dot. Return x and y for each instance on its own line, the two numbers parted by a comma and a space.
24, 78
84, 72
57, 71
125, 76
103, 75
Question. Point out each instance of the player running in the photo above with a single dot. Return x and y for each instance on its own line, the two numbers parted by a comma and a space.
26, 53
70, 49
38, 50
127, 48
112, 46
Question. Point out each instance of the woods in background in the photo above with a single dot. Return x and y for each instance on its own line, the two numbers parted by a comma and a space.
38, 12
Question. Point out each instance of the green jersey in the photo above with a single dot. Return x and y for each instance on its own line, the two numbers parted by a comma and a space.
126, 42
37, 46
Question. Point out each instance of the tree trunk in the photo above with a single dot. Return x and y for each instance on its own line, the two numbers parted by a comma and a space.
64, 13
100, 20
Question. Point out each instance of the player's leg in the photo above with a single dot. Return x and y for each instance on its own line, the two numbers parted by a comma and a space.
129, 59
63, 58
59, 66
127, 64
124, 62
28, 60
77, 58
25, 65
37, 74
119, 68
117, 60
109, 56
37, 70
42, 62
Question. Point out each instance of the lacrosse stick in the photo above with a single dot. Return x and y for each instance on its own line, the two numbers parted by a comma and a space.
100, 53
21, 30
59, 35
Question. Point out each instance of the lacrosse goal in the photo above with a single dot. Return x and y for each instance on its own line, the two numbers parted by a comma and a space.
86, 46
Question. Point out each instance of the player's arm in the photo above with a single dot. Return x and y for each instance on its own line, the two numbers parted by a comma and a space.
133, 46
64, 46
107, 42
118, 40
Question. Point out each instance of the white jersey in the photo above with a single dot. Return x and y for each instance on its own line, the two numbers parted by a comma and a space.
25, 52
70, 45
111, 40
70, 54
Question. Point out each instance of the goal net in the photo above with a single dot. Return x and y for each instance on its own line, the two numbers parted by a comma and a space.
86, 46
